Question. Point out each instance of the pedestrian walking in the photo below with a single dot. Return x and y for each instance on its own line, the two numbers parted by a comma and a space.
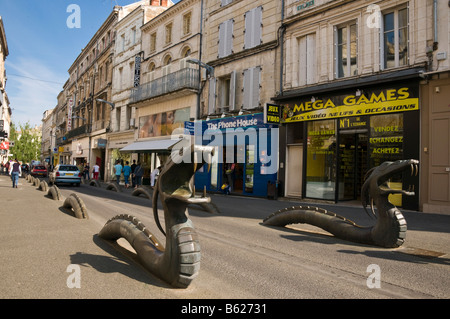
15, 171
138, 173
86, 172
95, 171
133, 178
126, 173
118, 171
154, 176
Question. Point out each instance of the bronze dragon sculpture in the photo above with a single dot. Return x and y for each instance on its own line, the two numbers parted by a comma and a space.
178, 262
390, 228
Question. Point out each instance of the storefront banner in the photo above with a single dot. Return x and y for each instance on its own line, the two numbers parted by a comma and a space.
255, 120
366, 103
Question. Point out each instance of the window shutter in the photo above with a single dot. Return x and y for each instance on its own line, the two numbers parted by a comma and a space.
311, 59
229, 38
253, 23
233, 91
225, 38
222, 28
212, 96
251, 88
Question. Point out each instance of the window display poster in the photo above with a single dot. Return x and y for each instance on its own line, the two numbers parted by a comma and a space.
162, 124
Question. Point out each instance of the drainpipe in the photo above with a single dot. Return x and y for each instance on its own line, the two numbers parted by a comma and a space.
282, 47
435, 42
197, 111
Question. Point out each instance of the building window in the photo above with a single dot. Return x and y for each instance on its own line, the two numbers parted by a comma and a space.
307, 59
252, 87
122, 42
168, 33
226, 38
133, 35
253, 27
321, 159
394, 39
227, 92
187, 23
153, 42
346, 51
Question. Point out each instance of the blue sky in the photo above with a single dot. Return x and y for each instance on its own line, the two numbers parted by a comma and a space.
42, 48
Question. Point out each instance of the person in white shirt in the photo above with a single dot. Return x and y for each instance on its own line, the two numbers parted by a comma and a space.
96, 171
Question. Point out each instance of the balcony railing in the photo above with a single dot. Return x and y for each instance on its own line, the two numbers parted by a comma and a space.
183, 79
83, 129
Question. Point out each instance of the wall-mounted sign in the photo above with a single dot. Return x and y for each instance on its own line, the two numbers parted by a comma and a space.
305, 5
379, 101
272, 113
69, 114
137, 71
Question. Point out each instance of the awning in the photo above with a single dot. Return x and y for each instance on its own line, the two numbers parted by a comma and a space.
150, 146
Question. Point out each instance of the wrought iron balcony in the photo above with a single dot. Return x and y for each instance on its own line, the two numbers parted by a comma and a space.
81, 130
184, 79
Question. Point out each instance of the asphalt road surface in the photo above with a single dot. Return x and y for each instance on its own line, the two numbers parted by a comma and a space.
242, 259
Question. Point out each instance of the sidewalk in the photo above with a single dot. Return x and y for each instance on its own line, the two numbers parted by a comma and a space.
40, 243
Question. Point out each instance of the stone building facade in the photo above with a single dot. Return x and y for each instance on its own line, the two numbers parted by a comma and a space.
5, 110
127, 69
356, 91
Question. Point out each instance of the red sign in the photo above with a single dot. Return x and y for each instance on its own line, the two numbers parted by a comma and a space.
4, 145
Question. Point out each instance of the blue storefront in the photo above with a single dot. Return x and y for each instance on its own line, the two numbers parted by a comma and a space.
245, 159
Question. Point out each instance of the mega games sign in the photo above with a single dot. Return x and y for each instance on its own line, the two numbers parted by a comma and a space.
358, 103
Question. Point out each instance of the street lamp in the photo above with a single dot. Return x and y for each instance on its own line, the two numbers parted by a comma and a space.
208, 68
107, 102
210, 71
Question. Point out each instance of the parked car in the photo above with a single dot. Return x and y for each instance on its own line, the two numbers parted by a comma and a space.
39, 171
65, 173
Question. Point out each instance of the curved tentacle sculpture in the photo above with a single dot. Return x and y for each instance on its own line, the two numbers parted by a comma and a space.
390, 228
76, 204
178, 262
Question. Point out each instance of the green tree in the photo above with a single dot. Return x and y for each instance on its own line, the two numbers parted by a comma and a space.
27, 142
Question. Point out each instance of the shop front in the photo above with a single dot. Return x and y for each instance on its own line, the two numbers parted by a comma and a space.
80, 151
245, 160
345, 134
154, 140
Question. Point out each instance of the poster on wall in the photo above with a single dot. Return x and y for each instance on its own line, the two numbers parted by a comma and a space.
162, 124
356, 103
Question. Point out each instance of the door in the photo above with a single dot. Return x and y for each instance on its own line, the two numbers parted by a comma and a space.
439, 174
352, 163
294, 170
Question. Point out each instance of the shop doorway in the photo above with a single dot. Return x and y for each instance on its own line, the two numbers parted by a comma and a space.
294, 170
233, 168
352, 163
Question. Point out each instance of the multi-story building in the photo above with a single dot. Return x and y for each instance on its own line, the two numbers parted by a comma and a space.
126, 75
354, 77
167, 95
241, 42
88, 87
5, 110
47, 138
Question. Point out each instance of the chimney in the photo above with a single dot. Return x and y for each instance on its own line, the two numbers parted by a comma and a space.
154, 2
163, 3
